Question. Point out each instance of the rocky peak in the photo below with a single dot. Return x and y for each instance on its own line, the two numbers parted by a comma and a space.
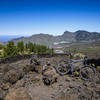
67, 34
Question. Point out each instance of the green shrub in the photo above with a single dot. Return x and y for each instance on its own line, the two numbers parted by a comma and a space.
79, 55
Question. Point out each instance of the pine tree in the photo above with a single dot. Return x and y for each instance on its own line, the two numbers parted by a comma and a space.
20, 46
10, 49
1, 46
30, 47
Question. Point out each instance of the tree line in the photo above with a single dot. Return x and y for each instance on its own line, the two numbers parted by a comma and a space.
29, 48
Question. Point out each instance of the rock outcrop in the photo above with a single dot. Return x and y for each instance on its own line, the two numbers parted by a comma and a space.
18, 94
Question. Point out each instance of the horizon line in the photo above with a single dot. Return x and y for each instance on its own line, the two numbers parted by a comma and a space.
45, 33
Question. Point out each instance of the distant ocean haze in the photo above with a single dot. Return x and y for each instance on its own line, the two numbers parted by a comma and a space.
5, 38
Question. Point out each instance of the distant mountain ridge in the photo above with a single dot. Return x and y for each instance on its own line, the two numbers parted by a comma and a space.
68, 37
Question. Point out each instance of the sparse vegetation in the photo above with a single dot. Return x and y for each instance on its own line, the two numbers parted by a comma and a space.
1, 50
79, 55
91, 51
11, 49
1, 46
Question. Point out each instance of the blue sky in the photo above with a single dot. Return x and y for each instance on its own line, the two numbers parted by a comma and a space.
27, 17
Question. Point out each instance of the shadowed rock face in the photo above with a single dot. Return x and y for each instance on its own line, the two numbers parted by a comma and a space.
18, 94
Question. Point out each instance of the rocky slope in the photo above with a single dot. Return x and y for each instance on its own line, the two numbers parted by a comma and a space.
20, 81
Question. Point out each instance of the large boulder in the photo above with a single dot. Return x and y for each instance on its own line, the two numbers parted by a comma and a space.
5, 68
12, 76
38, 69
28, 68
49, 76
35, 60
33, 68
18, 94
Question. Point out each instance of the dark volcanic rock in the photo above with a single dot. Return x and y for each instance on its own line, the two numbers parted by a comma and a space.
28, 68
12, 76
23, 80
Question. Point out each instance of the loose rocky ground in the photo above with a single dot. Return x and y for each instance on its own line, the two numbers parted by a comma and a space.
24, 81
